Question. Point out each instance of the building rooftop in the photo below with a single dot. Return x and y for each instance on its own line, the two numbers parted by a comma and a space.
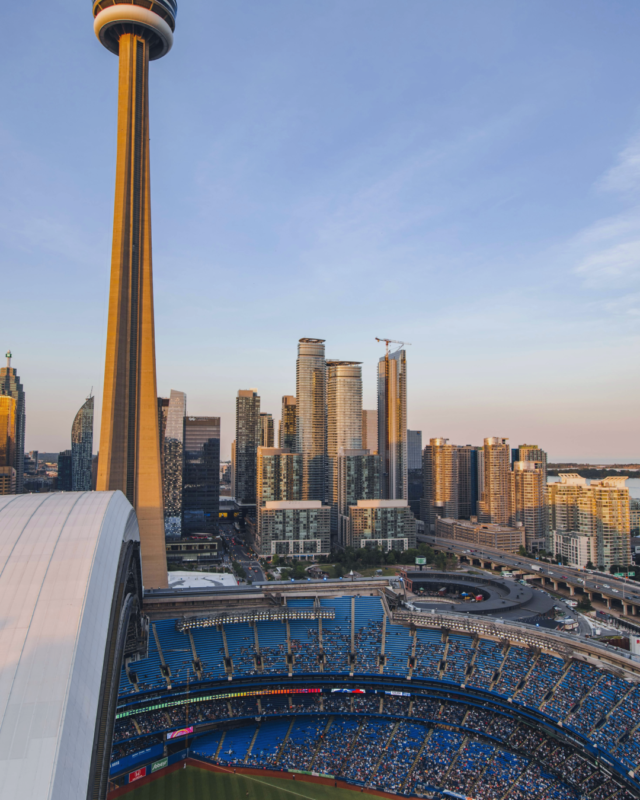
299, 504
381, 504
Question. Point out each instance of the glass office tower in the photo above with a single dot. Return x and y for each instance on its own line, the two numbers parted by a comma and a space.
65, 471
311, 417
173, 459
82, 447
201, 481
468, 491
10, 386
392, 425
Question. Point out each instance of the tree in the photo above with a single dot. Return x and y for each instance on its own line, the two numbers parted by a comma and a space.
441, 560
239, 569
390, 558
522, 550
339, 570
584, 605
275, 560
590, 565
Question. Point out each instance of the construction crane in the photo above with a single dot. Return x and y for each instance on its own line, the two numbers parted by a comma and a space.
391, 341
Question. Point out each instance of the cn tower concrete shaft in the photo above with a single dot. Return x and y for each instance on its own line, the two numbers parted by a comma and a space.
129, 443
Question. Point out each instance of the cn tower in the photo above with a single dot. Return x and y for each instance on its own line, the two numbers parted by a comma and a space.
137, 31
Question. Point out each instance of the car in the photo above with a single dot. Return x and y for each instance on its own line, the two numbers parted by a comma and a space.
617, 591
605, 586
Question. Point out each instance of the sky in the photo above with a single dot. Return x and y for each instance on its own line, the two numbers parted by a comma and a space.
461, 176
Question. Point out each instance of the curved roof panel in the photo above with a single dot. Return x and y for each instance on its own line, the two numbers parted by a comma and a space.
59, 557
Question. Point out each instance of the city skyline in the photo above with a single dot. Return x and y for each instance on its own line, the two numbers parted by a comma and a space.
480, 185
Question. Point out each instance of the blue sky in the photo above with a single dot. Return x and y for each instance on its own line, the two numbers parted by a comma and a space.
462, 176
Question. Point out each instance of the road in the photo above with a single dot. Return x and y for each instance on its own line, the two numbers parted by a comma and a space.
618, 589
240, 552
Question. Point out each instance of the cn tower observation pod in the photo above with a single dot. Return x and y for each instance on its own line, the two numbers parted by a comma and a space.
70, 594
157, 18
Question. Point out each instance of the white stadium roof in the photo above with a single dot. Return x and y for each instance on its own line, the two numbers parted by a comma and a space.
59, 557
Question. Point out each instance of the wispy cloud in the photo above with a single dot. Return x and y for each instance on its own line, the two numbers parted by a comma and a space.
624, 176
608, 251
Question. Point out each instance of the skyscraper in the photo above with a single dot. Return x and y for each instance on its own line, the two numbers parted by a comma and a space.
266, 430
201, 482
358, 479
10, 386
392, 424
530, 452
440, 471
370, 431
173, 458
287, 436
248, 431
388, 524
528, 502
344, 422
311, 416
415, 486
495, 500
279, 477
65, 471
599, 510
82, 447
468, 471
298, 528
8, 407
136, 32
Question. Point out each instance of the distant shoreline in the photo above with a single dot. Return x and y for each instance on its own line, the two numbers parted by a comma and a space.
590, 471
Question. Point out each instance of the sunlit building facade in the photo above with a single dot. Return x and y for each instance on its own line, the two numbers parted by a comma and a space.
311, 417
528, 502
495, 499
392, 425
483, 534
440, 491
530, 452
173, 459
82, 447
344, 422
10, 386
599, 509
8, 407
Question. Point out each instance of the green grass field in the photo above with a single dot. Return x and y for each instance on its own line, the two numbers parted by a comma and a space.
200, 784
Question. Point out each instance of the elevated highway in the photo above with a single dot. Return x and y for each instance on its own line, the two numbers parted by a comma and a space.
620, 595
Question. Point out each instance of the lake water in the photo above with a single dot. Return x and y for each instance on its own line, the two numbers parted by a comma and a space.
633, 484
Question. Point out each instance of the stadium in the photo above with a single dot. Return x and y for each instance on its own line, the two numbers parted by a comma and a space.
108, 690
